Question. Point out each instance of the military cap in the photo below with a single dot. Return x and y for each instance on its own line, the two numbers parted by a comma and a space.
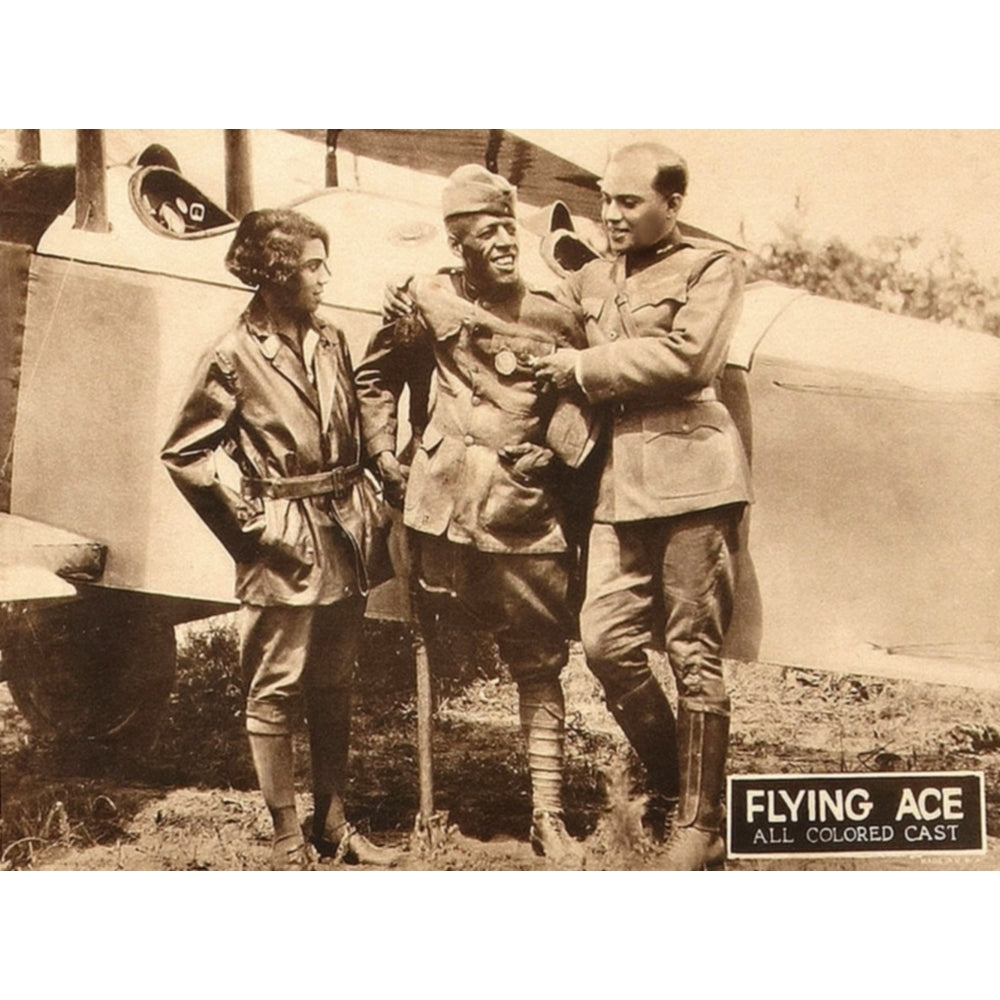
473, 188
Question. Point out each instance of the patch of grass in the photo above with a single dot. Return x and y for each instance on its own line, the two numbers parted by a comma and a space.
42, 816
784, 720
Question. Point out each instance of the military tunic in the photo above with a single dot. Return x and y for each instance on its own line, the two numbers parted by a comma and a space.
658, 336
491, 538
675, 478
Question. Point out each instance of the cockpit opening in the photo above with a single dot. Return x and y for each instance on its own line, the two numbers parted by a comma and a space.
170, 205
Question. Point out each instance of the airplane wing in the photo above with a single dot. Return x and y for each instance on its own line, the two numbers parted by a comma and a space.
540, 175
39, 562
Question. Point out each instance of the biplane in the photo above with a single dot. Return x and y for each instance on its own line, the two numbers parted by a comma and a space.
876, 528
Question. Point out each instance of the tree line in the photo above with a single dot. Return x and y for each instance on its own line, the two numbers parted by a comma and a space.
901, 275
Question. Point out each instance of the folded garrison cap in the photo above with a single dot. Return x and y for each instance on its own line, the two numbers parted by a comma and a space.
473, 188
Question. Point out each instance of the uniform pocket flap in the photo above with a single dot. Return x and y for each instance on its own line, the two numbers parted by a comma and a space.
648, 288
695, 420
431, 439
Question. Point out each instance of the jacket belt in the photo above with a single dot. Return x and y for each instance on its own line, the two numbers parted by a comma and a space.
337, 482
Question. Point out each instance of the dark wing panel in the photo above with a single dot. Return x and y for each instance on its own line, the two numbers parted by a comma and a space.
31, 198
14, 261
540, 175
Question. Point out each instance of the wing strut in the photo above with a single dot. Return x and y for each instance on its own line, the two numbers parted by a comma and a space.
91, 184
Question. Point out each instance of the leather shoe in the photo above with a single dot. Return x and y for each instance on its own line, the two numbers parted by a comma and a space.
689, 850
550, 839
291, 854
353, 848
658, 817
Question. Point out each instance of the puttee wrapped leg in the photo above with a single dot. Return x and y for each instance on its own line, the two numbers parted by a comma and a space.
543, 722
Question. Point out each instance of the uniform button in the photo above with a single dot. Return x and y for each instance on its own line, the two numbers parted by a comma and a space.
469, 439
612, 335
686, 426
476, 400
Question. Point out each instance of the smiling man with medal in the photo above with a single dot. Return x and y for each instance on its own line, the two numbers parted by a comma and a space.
484, 496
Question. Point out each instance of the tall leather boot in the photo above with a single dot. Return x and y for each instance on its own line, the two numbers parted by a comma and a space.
328, 711
273, 762
647, 720
696, 841
543, 722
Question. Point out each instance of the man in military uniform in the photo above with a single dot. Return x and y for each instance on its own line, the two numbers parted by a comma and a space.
276, 394
659, 319
487, 530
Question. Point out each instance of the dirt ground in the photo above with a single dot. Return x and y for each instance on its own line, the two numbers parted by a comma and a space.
190, 802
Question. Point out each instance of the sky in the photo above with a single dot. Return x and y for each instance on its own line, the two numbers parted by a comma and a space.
858, 185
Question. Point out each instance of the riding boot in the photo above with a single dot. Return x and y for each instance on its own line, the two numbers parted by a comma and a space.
696, 841
543, 722
328, 711
273, 762
647, 719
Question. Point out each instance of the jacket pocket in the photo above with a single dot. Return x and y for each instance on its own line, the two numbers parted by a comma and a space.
377, 525
655, 302
689, 451
286, 544
648, 289
434, 476
515, 507
682, 420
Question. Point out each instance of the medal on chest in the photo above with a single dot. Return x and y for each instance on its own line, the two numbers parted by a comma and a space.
505, 362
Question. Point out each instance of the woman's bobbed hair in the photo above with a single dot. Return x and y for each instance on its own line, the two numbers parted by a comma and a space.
268, 245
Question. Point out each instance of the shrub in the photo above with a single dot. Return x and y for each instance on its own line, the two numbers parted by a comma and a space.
203, 738
901, 276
